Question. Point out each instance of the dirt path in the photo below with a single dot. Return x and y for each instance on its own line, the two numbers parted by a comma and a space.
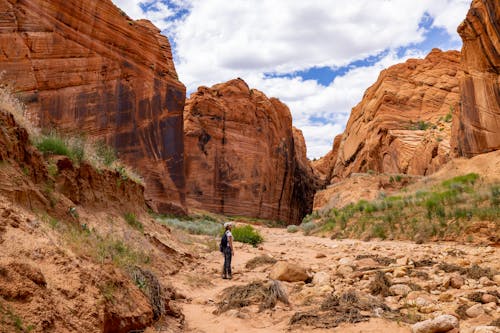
201, 283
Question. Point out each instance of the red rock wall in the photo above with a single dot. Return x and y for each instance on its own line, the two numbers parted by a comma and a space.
325, 165
477, 129
243, 157
383, 134
84, 66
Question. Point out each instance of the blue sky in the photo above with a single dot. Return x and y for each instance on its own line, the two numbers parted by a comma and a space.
316, 56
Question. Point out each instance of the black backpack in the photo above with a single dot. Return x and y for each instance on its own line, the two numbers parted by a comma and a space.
223, 242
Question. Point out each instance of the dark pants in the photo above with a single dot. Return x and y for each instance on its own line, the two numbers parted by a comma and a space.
227, 262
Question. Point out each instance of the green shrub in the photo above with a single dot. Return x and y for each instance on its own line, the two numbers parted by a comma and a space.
132, 221
468, 179
52, 144
105, 153
247, 234
307, 227
292, 228
194, 227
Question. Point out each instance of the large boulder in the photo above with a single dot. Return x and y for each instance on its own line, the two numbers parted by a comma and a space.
289, 272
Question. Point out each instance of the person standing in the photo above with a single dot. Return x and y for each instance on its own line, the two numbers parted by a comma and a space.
227, 249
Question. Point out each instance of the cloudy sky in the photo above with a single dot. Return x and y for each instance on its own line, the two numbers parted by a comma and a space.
317, 56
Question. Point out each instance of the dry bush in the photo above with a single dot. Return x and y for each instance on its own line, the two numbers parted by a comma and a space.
259, 261
380, 285
151, 287
264, 293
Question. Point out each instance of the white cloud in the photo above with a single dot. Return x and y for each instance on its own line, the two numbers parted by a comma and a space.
220, 40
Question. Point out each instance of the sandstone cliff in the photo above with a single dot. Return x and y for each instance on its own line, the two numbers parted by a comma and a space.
324, 166
403, 123
477, 128
243, 157
84, 66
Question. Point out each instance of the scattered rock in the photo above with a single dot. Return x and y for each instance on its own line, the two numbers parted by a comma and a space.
486, 282
457, 282
496, 279
490, 307
285, 271
475, 311
487, 298
344, 271
400, 272
443, 323
321, 279
345, 261
320, 255
446, 297
400, 289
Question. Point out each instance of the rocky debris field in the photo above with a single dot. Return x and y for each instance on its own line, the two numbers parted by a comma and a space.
342, 286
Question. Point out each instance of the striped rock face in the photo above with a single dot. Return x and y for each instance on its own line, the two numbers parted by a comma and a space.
86, 67
243, 157
477, 129
403, 123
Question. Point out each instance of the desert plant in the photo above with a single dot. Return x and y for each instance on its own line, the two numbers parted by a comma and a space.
132, 221
292, 228
247, 234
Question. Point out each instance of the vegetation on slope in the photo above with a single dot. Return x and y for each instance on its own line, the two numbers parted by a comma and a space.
444, 211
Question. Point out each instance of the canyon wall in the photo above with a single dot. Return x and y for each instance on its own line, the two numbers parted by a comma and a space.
243, 157
403, 123
477, 128
86, 67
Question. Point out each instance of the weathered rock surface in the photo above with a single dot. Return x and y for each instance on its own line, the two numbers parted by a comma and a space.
403, 123
84, 66
477, 128
443, 323
243, 157
285, 271
324, 166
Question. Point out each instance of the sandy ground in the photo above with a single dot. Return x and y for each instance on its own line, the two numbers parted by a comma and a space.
201, 283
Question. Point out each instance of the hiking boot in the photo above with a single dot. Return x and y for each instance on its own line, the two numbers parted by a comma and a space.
229, 277
224, 277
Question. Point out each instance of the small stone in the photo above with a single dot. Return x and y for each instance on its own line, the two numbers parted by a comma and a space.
345, 262
400, 289
456, 282
285, 271
486, 329
496, 279
487, 298
475, 311
443, 323
402, 261
486, 282
344, 271
445, 297
400, 272
321, 279
490, 307
320, 255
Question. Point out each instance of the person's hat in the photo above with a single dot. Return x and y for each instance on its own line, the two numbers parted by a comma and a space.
227, 224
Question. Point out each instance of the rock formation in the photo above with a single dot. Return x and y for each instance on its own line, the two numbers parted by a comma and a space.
324, 166
243, 157
477, 128
403, 123
84, 66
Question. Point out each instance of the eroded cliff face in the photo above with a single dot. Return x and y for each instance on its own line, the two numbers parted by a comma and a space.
403, 123
477, 128
325, 165
85, 67
243, 157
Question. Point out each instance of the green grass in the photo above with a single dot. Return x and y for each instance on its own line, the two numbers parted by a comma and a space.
419, 125
105, 153
132, 221
247, 234
201, 226
438, 212
52, 143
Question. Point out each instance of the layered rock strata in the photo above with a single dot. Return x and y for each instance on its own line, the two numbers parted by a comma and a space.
403, 123
85, 67
477, 128
243, 157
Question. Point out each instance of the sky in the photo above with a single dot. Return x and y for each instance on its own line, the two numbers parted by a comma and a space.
317, 56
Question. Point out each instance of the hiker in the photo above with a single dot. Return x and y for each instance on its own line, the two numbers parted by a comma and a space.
226, 247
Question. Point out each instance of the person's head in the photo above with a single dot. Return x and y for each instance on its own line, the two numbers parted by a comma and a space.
228, 225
